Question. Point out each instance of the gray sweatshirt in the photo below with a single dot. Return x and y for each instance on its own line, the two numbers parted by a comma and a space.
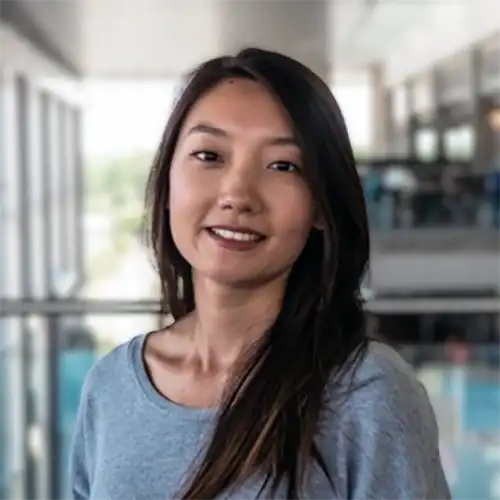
131, 442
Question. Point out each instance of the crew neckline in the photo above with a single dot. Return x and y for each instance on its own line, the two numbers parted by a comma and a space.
136, 355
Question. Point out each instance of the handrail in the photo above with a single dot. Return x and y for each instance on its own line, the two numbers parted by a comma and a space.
393, 305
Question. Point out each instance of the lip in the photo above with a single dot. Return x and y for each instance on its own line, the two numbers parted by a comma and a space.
235, 245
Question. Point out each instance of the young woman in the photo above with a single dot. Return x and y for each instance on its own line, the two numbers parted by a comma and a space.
266, 384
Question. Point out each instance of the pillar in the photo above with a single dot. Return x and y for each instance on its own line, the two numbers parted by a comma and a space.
485, 135
412, 121
439, 115
381, 112
14, 414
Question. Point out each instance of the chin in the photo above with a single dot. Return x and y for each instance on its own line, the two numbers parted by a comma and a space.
232, 279
241, 277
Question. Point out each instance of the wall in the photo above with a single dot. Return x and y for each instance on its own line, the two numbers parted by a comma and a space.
432, 272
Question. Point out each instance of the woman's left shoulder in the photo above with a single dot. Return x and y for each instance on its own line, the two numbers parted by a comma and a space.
383, 386
381, 364
381, 431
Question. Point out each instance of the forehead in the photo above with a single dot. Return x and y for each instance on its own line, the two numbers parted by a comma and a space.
242, 104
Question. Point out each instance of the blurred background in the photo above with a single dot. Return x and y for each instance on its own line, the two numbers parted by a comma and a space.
85, 89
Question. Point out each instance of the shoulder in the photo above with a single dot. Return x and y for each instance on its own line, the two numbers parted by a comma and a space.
381, 400
383, 388
383, 370
381, 432
381, 407
112, 371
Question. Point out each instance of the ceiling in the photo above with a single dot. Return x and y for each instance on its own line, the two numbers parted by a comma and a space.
161, 38
157, 38
165, 38
412, 37
152, 38
148, 37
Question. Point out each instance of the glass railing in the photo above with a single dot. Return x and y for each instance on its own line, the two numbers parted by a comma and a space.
76, 341
4, 452
11, 470
462, 382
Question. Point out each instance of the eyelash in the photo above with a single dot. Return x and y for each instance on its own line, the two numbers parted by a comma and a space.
295, 168
198, 156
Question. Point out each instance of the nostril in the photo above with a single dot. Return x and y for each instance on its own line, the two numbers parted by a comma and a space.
239, 203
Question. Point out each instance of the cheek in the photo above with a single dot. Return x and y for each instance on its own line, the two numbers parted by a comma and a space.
181, 188
293, 213
186, 191
187, 204
293, 217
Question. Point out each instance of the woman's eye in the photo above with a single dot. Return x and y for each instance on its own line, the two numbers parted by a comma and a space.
206, 156
284, 166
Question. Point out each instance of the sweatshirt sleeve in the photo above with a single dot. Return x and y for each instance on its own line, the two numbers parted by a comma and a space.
383, 440
81, 454
395, 453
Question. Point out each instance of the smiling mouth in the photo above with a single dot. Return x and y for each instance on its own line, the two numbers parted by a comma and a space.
236, 235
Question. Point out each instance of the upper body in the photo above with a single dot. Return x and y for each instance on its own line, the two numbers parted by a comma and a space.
381, 442
258, 224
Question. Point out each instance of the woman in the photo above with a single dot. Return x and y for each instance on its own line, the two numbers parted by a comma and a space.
266, 383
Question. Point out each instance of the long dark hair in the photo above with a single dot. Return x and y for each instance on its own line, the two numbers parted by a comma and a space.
271, 416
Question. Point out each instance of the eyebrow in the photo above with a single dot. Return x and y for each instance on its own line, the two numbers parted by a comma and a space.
205, 128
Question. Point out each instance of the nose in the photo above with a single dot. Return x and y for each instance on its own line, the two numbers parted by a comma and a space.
239, 191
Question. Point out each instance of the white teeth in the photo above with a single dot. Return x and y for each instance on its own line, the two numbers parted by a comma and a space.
234, 235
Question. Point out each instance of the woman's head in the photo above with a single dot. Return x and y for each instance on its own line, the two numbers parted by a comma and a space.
255, 180
240, 208
257, 144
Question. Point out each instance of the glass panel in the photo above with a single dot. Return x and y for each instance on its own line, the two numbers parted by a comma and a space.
463, 383
5, 418
13, 465
82, 340
53, 160
459, 142
37, 216
69, 139
117, 158
117, 264
64, 347
36, 366
10, 249
426, 142
462, 380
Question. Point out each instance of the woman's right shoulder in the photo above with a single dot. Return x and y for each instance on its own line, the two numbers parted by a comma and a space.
112, 371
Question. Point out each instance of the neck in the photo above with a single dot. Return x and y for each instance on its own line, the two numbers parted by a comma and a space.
227, 321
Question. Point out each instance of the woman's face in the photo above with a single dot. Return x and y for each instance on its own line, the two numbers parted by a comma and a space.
240, 209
